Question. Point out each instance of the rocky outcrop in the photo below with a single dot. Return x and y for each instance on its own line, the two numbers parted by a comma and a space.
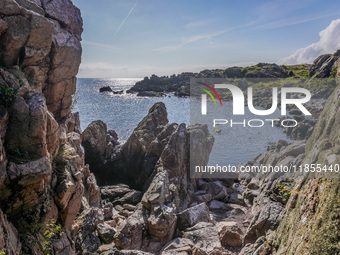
44, 183
9, 236
43, 38
325, 66
105, 89
134, 161
155, 159
312, 215
43, 175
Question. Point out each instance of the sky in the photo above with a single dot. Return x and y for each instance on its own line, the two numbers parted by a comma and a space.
138, 38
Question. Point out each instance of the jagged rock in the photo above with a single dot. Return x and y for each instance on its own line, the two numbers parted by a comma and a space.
126, 162
268, 218
201, 143
32, 179
205, 237
178, 246
9, 236
323, 65
162, 223
132, 197
40, 44
192, 216
14, 38
68, 177
230, 234
216, 189
129, 235
157, 192
106, 232
113, 192
94, 141
87, 240
27, 128
254, 249
153, 223
92, 191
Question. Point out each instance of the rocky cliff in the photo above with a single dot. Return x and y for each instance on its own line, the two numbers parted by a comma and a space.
311, 223
43, 179
43, 38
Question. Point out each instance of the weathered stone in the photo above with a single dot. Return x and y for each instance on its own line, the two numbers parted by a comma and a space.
268, 218
32, 178
26, 135
92, 191
192, 216
9, 236
113, 192
33, 5
65, 13
157, 192
322, 66
162, 223
205, 237
106, 232
129, 235
132, 197
179, 246
87, 240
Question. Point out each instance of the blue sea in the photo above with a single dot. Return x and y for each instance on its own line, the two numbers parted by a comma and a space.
123, 112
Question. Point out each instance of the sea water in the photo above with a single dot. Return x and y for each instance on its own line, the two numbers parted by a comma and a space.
123, 112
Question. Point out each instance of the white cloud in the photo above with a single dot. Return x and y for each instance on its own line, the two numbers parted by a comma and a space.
329, 42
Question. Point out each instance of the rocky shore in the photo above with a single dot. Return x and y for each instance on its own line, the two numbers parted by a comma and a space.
323, 67
64, 191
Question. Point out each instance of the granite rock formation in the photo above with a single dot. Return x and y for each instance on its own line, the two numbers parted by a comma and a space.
43, 38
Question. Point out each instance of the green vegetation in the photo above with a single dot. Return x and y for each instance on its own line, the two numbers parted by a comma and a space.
7, 96
20, 153
297, 71
285, 190
34, 232
52, 232
334, 72
294, 71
